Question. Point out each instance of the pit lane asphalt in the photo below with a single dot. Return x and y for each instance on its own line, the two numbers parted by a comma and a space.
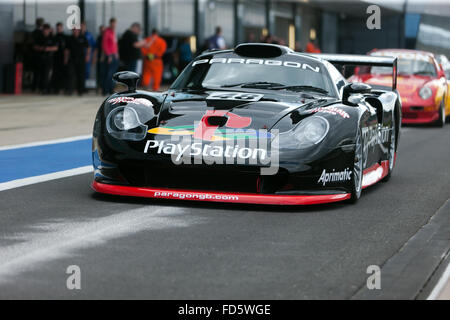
143, 248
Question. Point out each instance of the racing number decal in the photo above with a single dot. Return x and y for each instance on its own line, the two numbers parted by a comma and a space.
251, 97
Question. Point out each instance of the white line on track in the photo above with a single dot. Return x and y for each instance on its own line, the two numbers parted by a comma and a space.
440, 285
45, 177
46, 142
61, 239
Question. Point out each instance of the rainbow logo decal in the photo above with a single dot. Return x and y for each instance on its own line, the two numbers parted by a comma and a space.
234, 128
219, 134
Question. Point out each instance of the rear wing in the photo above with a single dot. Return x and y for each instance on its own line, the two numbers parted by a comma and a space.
361, 60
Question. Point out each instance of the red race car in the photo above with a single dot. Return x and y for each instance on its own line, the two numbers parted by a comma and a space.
421, 83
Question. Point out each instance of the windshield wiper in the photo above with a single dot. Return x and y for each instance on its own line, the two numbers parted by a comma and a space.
195, 89
425, 73
256, 84
301, 88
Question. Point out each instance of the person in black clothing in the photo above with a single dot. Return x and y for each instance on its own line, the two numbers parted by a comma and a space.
77, 49
36, 64
100, 58
184, 53
46, 48
58, 76
129, 47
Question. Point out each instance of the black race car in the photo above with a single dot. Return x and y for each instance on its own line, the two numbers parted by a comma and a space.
256, 124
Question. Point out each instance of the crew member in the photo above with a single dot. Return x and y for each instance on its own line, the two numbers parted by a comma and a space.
91, 42
311, 46
77, 52
111, 51
100, 57
217, 42
185, 53
36, 63
130, 47
153, 64
46, 47
58, 77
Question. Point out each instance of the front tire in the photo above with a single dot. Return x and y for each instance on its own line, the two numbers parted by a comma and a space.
441, 121
357, 168
392, 151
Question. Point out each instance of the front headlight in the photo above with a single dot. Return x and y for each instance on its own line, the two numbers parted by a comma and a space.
425, 93
128, 122
311, 131
127, 119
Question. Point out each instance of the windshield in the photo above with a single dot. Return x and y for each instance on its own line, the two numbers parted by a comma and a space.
408, 64
228, 71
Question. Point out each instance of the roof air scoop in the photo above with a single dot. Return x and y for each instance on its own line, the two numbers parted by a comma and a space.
260, 50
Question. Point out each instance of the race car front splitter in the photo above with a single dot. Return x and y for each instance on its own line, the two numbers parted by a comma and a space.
255, 198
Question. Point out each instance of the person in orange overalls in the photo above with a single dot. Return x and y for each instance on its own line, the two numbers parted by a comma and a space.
153, 51
311, 47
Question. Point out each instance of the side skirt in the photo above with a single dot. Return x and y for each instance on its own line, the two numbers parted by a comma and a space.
375, 173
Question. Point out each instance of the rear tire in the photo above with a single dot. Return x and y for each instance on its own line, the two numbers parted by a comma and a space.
357, 168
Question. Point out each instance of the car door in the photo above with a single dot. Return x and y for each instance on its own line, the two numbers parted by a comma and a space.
370, 121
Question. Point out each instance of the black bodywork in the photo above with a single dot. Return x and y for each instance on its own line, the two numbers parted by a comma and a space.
374, 113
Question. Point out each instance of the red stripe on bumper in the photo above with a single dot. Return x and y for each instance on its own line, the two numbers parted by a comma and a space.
217, 196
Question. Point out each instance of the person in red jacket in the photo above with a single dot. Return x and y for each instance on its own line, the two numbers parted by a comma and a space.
153, 51
111, 51
311, 47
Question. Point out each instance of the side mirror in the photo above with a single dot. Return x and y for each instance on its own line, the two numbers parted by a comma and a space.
128, 78
354, 88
